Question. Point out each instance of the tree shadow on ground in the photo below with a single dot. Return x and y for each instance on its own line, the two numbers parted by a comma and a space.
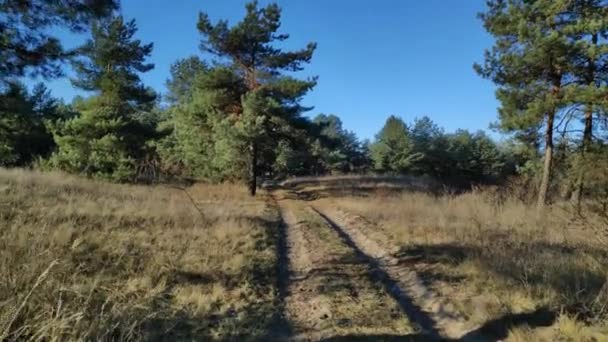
495, 257
531, 262
492, 331
391, 286
251, 323
341, 192
498, 329
380, 338
255, 321
363, 186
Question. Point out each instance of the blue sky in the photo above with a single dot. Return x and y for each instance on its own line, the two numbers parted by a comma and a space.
374, 58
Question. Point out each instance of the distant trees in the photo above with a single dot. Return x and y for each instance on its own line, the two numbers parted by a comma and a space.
109, 136
235, 112
548, 61
475, 158
335, 150
393, 149
458, 158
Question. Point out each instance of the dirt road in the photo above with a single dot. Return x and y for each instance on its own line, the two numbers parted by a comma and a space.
331, 290
341, 282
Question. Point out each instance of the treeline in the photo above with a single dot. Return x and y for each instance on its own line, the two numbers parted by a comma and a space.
235, 112
460, 159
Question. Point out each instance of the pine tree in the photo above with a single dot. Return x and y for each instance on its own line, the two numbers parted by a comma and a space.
23, 118
338, 150
27, 44
591, 74
269, 100
185, 147
393, 150
183, 79
529, 62
201, 142
109, 136
430, 145
472, 158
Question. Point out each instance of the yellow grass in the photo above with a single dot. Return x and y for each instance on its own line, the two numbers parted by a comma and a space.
495, 256
133, 262
86, 260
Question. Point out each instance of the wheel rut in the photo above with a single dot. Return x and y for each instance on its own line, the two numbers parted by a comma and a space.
330, 292
346, 282
436, 315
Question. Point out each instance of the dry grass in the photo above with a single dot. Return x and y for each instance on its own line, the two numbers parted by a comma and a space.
495, 257
84, 260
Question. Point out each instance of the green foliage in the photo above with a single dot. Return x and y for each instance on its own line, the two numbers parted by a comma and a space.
393, 150
23, 119
460, 158
474, 158
430, 143
596, 185
198, 123
109, 137
232, 120
335, 149
26, 40
184, 73
549, 61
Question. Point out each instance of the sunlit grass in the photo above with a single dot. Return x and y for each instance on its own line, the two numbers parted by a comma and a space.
493, 255
133, 262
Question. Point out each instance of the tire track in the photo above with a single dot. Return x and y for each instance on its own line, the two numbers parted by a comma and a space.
435, 315
327, 290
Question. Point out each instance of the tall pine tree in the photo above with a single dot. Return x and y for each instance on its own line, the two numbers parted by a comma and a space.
530, 63
108, 138
269, 98
590, 73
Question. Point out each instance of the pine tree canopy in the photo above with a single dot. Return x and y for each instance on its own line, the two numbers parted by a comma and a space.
109, 138
27, 44
269, 100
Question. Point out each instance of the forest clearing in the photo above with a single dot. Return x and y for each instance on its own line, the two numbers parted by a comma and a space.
286, 170
90, 260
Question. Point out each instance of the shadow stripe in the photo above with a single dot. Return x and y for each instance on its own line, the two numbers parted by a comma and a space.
413, 311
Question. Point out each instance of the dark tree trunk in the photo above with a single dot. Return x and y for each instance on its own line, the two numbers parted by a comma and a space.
577, 195
548, 163
546, 180
253, 169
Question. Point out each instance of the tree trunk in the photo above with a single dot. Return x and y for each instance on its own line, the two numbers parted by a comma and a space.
253, 169
546, 180
577, 195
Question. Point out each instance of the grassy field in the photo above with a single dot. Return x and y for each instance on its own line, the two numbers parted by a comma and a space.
495, 258
87, 260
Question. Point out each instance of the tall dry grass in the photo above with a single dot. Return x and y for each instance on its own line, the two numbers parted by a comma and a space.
495, 255
85, 260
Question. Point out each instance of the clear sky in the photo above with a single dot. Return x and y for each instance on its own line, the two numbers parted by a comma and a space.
374, 58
